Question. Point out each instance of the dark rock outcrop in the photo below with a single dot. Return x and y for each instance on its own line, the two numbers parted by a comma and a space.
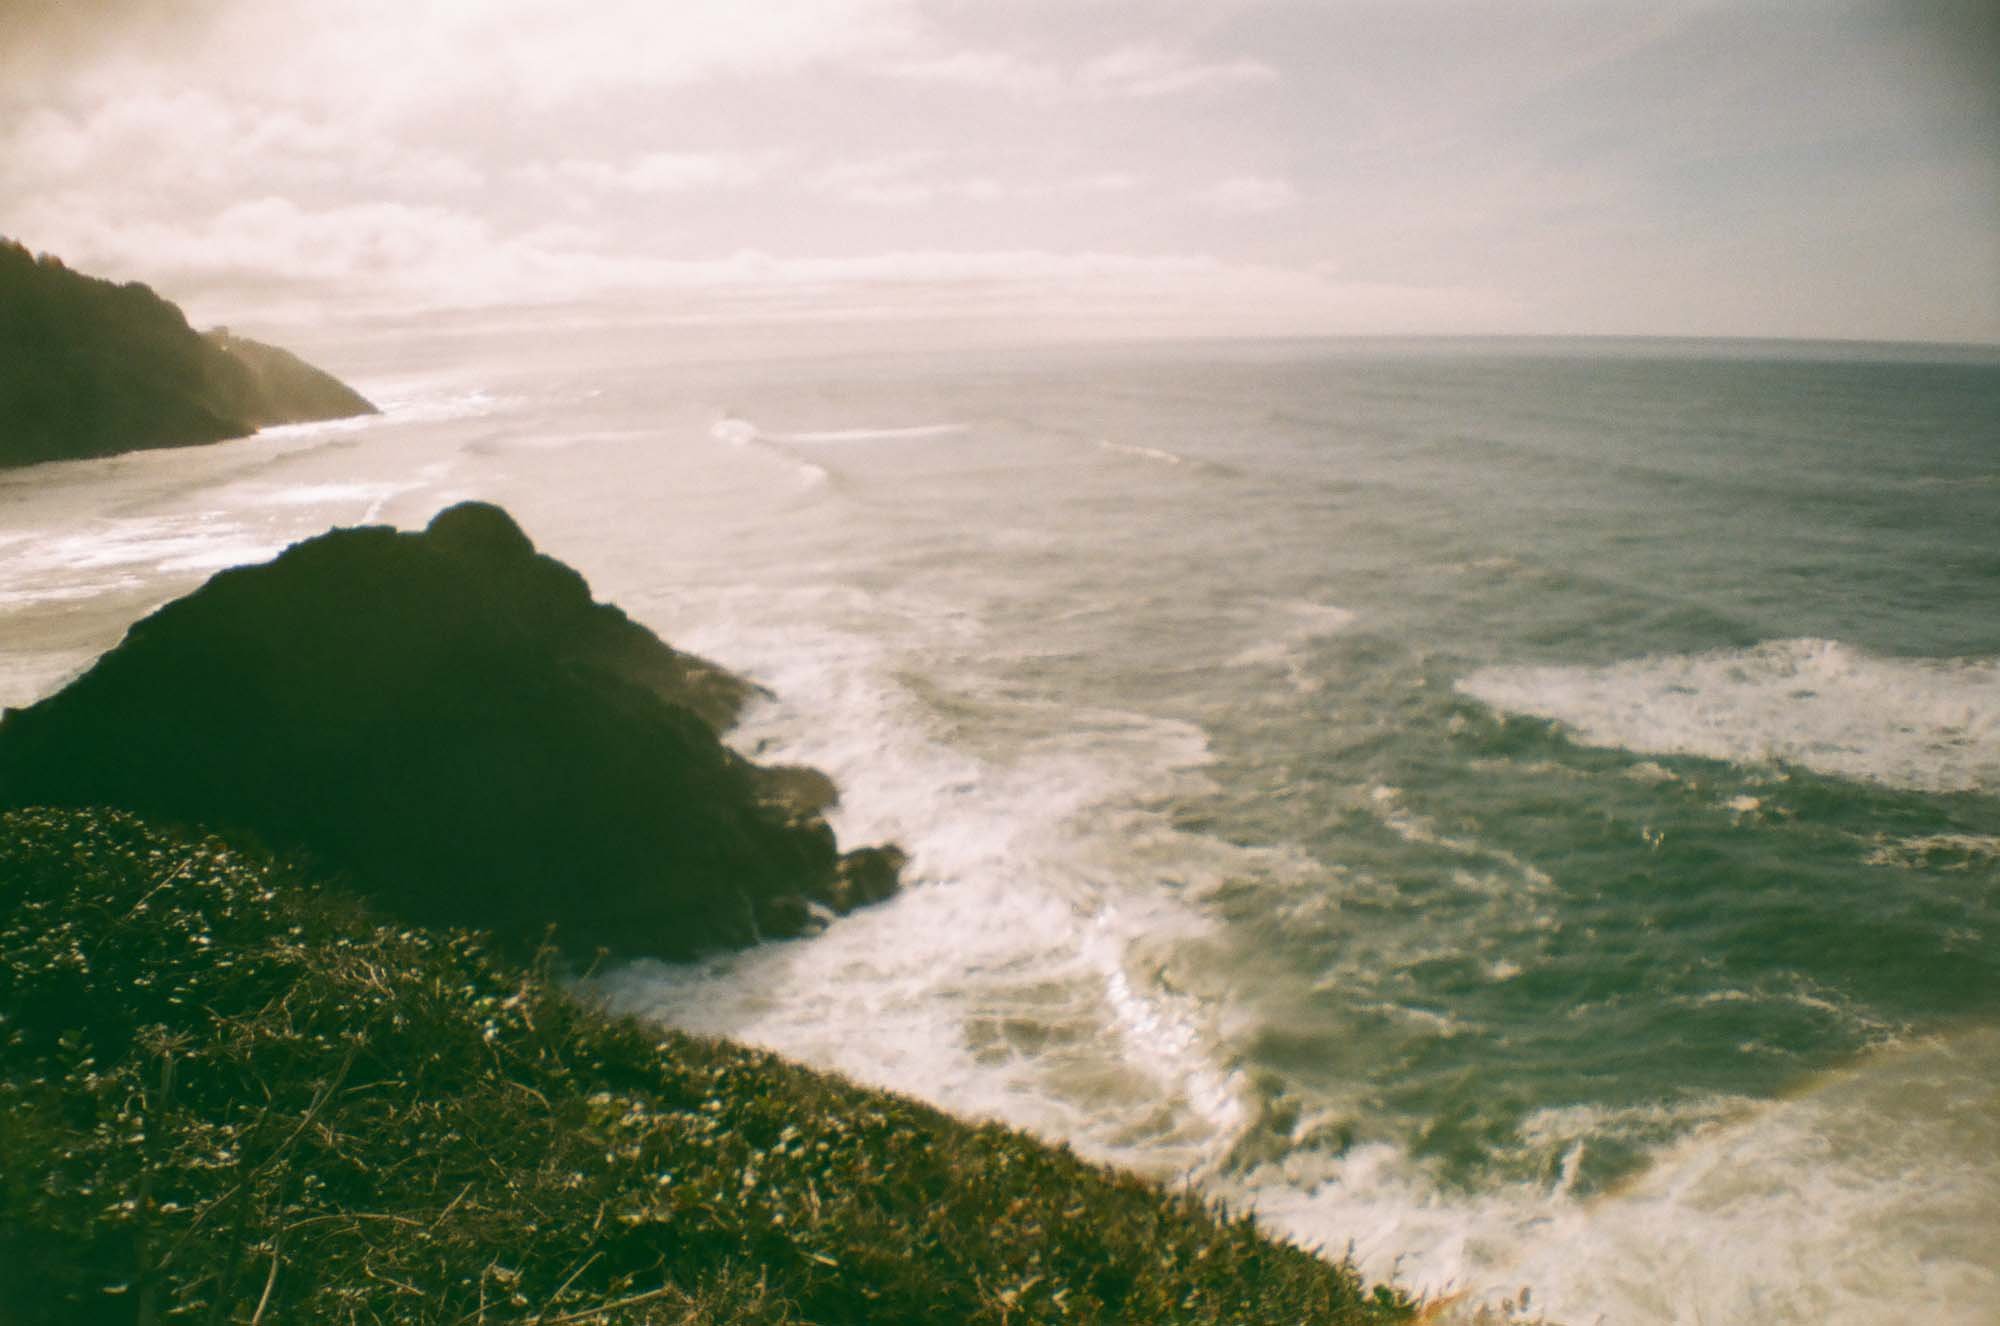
450, 718
93, 368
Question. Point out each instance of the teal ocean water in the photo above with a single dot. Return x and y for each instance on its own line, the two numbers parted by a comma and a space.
1526, 811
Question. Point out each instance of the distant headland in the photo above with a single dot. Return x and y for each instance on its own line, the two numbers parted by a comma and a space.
91, 368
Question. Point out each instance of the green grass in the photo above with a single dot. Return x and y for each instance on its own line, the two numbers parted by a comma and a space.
229, 1094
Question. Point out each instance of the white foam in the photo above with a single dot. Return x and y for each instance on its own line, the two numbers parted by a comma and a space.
743, 433
908, 432
1389, 808
1286, 629
1035, 967
371, 498
554, 438
1928, 724
201, 540
437, 405
1153, 454
1872, 1198
323, 494
34, 595
1801, 992
318, 428
1937, 851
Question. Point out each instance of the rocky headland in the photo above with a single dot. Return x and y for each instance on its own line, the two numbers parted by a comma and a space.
451, 720
90, 367
241, 1085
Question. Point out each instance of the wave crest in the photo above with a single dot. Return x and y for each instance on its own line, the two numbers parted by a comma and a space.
1930, 725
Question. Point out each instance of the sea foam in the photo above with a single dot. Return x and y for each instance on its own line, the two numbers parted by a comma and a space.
1287, 629
891, 433
1029, 969
741, 432
1927, 724
1157, 455
1872, 1193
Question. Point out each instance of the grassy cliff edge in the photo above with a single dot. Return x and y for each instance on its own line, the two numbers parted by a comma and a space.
228, 1092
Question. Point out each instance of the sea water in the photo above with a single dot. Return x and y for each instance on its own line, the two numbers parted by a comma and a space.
1523, 814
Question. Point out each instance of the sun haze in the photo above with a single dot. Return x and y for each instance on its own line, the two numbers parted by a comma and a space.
1240, 167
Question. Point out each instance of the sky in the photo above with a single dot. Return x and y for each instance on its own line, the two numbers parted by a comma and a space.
1793, 168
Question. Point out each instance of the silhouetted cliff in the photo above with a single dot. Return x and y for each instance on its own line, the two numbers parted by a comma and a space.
92, 368
450, 717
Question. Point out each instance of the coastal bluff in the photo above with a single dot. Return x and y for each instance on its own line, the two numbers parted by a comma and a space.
449, 718
90, 368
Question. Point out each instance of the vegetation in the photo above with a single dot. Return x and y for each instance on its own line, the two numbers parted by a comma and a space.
230, 1094
92, 368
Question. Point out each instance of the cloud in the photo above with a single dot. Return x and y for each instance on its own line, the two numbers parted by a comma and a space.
383, 152
1110, 181
884, 181
176, 142
895, 181
382, 59
1134, 71
659, 172
1152, 71
44, 43
995, 71
274, 242
551, 53
910, 179
1248, 195
271, 258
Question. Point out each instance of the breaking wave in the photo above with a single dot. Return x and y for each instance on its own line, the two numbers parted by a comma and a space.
1926, 724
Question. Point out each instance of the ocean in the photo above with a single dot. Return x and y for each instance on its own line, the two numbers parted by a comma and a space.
1524, 814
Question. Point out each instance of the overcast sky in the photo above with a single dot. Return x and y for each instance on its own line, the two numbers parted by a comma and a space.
1813, 168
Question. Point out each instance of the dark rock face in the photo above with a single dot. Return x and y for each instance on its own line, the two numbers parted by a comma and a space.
91, 368
449, 717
